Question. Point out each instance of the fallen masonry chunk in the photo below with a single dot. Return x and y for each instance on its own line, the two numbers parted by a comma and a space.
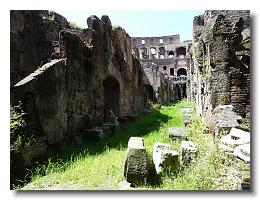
177, 132
224, 118
136, 162
124, 185
187, 152
164, 158
243, 152
236, 137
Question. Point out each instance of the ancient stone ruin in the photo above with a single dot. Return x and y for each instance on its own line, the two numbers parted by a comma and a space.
220, 62
70, 81
165, 63
164, 158
70, 85
136, 166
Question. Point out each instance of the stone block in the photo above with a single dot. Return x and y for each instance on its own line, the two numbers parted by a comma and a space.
243, 152
136, 162
164, 158
236, 137
187, 152
177, 132
224, 118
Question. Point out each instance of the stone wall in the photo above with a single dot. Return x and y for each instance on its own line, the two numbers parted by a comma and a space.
94, 73
220, 66
34, 36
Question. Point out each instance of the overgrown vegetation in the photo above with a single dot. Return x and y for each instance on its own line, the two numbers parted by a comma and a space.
100, 165
18, 141
223, 98
75, 26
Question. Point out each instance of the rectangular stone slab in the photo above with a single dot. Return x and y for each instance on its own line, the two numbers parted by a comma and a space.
136, 162
236, 137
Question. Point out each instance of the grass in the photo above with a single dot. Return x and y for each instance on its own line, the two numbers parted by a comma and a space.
100, 166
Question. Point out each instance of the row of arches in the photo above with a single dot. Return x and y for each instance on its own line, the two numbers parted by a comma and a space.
161, 53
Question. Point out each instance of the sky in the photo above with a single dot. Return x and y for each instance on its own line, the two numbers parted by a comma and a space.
142, 23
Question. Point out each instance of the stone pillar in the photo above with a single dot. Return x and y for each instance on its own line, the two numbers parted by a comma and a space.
136, 162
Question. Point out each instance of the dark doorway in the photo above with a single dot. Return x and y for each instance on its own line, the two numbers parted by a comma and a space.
171, 54
182, 71
172, 71
111, 97
151, 93
181, 91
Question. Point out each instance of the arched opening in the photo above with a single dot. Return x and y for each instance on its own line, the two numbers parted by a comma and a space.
181, 51
111, 97
161, 52
151, 93
170, 54
153, 52
182, 71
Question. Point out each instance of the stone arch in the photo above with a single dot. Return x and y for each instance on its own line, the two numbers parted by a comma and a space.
182, 71
170, 54
181, 51
111, 100
161, 52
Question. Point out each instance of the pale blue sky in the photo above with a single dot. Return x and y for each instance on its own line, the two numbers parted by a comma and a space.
142, 23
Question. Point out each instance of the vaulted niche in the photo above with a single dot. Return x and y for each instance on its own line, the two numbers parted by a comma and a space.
170, 54
111, 97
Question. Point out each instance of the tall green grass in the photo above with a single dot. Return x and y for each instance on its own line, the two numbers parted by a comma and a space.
97, 166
